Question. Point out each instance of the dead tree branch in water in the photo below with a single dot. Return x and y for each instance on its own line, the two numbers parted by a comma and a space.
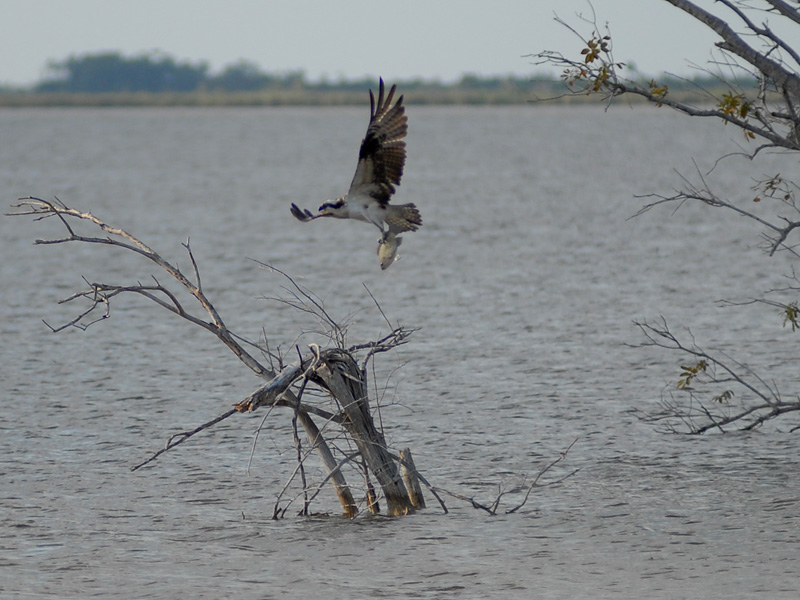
341, 399
179, 438
334, 370
493, 508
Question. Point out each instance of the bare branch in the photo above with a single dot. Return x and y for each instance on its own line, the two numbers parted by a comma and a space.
305, 301
181, 437
102, 293
562, 456
194, 266
769, 403
493, 507
703, 193
783, 78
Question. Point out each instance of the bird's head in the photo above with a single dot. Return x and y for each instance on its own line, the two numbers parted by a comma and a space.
333, 208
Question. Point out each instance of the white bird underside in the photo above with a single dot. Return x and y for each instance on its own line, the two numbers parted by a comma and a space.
381, 159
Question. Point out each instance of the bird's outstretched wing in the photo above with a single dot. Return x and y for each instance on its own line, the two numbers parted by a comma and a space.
383, 151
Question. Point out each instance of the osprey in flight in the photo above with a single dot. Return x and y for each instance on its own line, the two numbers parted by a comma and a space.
380, 166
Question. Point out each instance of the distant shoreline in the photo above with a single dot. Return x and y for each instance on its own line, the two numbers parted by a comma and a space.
536, 93
303, 97
110, 79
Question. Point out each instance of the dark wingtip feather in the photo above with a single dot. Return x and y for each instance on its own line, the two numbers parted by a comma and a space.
388, 102
300, 214
380, 94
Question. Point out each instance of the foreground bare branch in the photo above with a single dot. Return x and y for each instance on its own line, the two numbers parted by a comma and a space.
767, 106
493, 507
181, 437
774, 189
755, 87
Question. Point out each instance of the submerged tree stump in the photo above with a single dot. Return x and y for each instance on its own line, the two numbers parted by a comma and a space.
341, 376
336, 371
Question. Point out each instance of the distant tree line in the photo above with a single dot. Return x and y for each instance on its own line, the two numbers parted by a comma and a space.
157, 72
110, 74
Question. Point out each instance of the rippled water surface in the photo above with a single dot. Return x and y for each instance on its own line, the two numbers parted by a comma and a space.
523, 285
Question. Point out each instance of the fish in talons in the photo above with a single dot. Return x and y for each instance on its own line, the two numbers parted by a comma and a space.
387, 249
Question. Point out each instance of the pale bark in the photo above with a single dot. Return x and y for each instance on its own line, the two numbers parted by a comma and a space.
411, 478
343, 379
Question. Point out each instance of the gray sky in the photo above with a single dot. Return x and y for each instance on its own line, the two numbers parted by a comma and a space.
345, 38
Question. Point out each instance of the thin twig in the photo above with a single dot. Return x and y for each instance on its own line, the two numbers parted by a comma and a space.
535, 483
183, 436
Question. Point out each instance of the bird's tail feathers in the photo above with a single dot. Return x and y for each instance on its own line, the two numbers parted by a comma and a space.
404, 217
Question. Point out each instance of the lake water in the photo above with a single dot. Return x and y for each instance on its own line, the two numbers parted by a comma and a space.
523, 286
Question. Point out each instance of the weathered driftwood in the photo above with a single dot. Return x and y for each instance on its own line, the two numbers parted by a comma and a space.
277, 392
